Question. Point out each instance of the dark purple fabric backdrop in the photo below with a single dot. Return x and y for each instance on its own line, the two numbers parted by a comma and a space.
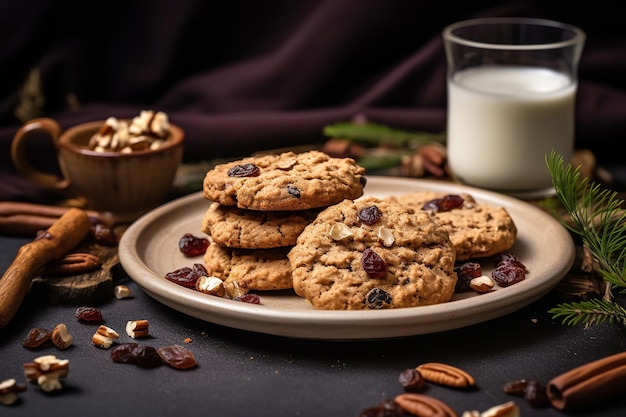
245, 76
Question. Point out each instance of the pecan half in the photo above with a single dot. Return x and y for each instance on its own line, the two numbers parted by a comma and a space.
72, 264
424, 406
443, 374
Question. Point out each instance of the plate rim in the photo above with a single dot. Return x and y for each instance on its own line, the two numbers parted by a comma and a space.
324, 324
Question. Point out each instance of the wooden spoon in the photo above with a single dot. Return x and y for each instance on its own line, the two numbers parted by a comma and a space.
61, 237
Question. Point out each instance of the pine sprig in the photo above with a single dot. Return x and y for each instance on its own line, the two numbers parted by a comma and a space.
598, 218
374, 134
590, 312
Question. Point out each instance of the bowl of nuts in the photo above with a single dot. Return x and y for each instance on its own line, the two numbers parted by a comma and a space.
124, 167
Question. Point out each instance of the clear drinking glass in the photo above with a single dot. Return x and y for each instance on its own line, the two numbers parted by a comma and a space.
512, 84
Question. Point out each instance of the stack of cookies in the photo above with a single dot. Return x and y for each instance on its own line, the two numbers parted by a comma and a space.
261, 204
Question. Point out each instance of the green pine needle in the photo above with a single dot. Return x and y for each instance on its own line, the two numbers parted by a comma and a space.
598, 218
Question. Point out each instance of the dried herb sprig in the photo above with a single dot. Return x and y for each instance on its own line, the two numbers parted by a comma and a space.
374, 134
598, 219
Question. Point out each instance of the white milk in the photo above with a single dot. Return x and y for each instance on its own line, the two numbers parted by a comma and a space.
502, 121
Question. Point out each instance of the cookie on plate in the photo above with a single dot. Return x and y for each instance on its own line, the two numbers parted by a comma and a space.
287, 181
261, 269
254, 229
373, 254
476, 230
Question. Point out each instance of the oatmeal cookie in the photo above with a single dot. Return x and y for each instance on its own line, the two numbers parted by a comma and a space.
254, 229
261, 269
476, 230
288, 181
371, 254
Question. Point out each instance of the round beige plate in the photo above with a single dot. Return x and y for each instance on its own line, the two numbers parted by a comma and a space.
149, 249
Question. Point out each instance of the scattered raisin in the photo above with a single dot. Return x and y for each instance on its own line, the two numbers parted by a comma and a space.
187, 276
373, 264
370, 215
102, 234
411, 380
293, 191
446, 203
386, 408
377, 298
507, 274
89, 314
177, 356
248, 298
123, 353
465, 273
146, 356
517, 387
536, 395
190, 245
244, 170
37, 337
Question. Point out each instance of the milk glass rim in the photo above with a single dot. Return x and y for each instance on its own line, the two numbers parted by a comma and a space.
578, 34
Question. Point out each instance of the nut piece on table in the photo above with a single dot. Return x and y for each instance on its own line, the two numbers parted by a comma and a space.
61, 338
121, 291
423, 405
104, 337
443, 374
9, 388
508, 409
47, 371
137, 328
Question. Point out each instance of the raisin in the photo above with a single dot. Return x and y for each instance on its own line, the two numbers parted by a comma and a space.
373, 264
293, 191
244, 170
103, 235
37, 337
411, 380
370, 215
123, 353
248, 298
508, 258
190, 245
507, 274
386, 408
187, 276
517, 387
536, 395
377, 298
446, 203
465, 273
89, 314
146, 356
177, 356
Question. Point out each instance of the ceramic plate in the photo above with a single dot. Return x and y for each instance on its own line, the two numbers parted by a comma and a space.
149, 249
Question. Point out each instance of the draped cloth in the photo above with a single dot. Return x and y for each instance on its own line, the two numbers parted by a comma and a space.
241, 77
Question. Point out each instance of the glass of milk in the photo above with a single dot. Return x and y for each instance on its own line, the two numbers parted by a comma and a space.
511, 91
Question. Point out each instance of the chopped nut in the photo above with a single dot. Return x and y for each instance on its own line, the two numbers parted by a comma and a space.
508, 409
440, 373
340, 231
482, 284
47, 372
9, 388
61, 337
121, 291
104, 337
386, 236
236, 289
211, 286
137, 328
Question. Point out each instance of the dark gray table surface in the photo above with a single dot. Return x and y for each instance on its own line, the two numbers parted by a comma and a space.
243, 373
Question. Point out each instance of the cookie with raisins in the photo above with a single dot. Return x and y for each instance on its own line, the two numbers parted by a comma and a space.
373, 254
260, 269
254, 229
476, 230
286, 181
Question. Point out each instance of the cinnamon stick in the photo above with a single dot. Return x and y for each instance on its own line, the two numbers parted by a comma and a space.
61, 237
590, 383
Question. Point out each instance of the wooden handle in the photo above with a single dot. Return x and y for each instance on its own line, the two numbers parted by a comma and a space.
64, 235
